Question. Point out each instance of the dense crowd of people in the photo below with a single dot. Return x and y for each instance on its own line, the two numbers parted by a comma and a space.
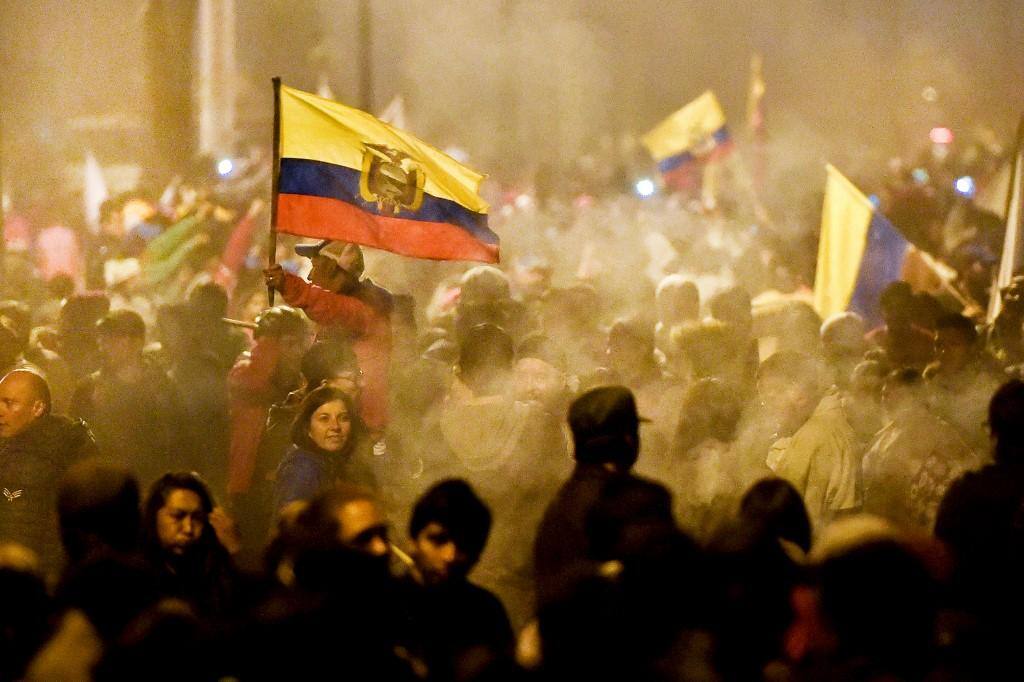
632, 451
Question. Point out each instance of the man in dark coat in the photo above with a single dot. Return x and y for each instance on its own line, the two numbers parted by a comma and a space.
454, 620
130, 403
981, 521
36, 447
605, 429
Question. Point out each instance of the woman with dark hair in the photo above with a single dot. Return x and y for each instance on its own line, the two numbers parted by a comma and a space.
183, 547
324, 437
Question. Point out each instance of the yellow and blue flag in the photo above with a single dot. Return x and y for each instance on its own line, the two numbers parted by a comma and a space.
688, 138
348, 176
859, 252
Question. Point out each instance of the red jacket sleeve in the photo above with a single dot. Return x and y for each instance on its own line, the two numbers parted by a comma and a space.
250, 379
327, 308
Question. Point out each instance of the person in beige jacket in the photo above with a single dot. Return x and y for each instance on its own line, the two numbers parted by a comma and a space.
814, 448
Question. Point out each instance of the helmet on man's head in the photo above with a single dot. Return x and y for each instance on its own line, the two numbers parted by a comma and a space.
280, 320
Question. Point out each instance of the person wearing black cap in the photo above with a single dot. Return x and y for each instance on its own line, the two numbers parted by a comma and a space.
606, 435
346, 307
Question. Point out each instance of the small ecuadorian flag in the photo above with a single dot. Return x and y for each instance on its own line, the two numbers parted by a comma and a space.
685, 140
348, 176
859, 252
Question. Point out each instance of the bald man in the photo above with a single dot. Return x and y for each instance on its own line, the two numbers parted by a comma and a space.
36, 447
24, 398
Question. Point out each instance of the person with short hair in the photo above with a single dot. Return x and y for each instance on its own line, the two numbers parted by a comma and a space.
979, 520
452, 616
905, 342
813, 447
606, 435
961, 378
36, 447
914, 457
130, 403
259, 379
98, 507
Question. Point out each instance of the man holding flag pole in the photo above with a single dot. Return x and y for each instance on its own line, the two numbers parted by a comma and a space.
346, 178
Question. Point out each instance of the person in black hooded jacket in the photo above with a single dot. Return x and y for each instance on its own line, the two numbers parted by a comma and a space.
36, 447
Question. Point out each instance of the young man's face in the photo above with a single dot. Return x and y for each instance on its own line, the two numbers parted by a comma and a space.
437, 556
789, 403
119, 351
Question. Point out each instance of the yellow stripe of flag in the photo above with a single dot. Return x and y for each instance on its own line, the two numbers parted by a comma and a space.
319, 129
686, 128
845, 219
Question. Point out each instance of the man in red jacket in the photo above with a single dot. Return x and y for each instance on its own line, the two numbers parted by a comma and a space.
259, 379
346, 307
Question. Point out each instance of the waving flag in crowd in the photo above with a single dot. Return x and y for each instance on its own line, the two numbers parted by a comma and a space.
686, 140
1013, 241
345, 175
859, 252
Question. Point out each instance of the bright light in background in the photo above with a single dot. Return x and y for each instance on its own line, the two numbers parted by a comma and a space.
457, 153
523, 201
920, 176
964, 186
224, 167
930, 94
941, 135
644, 187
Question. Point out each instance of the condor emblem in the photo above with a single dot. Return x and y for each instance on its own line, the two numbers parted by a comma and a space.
391, 179
12, 496
702, 141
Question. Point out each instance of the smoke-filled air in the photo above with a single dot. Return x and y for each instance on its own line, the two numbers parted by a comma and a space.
511, 340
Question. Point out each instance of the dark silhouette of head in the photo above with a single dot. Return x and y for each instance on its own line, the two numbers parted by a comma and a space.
208, 301
337, 525
1006, 422
326, 360
606, 427
98, 508
280, 321
775, 506
486, 353
879, 601
897, 304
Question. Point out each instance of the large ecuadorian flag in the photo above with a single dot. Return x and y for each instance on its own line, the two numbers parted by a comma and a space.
348, 176
859, 253
682, 142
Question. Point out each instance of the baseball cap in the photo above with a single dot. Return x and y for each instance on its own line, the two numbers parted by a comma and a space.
349, 257
603, 411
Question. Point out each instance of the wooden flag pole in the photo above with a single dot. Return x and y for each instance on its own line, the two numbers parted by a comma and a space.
275, 173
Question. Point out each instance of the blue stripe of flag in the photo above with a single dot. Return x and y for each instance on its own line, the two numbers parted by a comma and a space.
720, 136
331, 181
882, 263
